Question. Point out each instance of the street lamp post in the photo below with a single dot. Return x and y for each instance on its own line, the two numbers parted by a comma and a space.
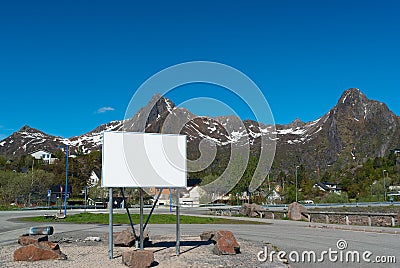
66, 178
297, 188
384, 183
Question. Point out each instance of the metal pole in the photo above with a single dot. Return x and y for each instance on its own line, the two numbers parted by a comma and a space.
110, 223
127, 211
66, 180
170, 199
296, 183
152, 209
141, 219
384, 184
178, 223
85, 197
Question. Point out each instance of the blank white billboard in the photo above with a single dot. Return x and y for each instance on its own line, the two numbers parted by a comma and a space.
143, 160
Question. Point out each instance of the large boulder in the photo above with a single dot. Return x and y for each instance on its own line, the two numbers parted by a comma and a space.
251, 210
225, 243
44, 250
295, 211
26, 239
138, 258
126, 238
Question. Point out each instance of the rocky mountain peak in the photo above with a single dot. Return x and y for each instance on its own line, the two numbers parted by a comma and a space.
355, 106
26, 128
159, 105
352, 96
296, 123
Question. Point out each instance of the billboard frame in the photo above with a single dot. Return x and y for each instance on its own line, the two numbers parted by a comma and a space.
183, 184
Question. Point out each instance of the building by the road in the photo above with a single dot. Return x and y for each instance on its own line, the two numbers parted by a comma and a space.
47, 157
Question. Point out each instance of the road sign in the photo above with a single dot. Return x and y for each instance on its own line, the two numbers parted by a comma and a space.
48, 193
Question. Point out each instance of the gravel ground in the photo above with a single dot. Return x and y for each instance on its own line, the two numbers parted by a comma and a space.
194, 253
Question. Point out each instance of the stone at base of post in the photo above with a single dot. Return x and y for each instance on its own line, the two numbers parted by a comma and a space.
138, 258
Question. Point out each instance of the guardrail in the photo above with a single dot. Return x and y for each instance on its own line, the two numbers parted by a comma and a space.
229, 211
347, 215
321, 205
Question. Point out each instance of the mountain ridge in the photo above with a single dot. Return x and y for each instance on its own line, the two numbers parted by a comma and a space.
354, 129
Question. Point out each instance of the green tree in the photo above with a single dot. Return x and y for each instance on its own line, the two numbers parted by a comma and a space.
290, 194
335, 198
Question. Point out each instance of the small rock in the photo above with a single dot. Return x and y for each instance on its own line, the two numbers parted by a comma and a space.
43, 251
207, 235
93, 238
31, 239
138, 258
60, 215
66, 240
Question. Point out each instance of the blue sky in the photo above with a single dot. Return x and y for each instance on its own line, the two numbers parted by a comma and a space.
68, 66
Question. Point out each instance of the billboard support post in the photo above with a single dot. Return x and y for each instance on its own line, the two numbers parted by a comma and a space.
152, 208
141, 219
110, 223
178, 230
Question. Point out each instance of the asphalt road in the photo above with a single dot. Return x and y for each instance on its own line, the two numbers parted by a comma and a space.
286, 235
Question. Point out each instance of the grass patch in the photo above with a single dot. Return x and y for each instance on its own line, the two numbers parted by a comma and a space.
7, 208
86, 218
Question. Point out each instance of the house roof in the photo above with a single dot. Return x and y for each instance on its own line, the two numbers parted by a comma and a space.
40, 150
329, 183
327, 186
97, 172
55, 189
323, 186
193, 182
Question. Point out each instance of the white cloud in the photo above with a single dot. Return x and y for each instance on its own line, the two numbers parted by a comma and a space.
102, 110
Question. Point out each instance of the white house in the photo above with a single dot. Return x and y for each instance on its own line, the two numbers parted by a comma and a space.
95, 176
45, 156
273, 197
192, 197
328, 187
